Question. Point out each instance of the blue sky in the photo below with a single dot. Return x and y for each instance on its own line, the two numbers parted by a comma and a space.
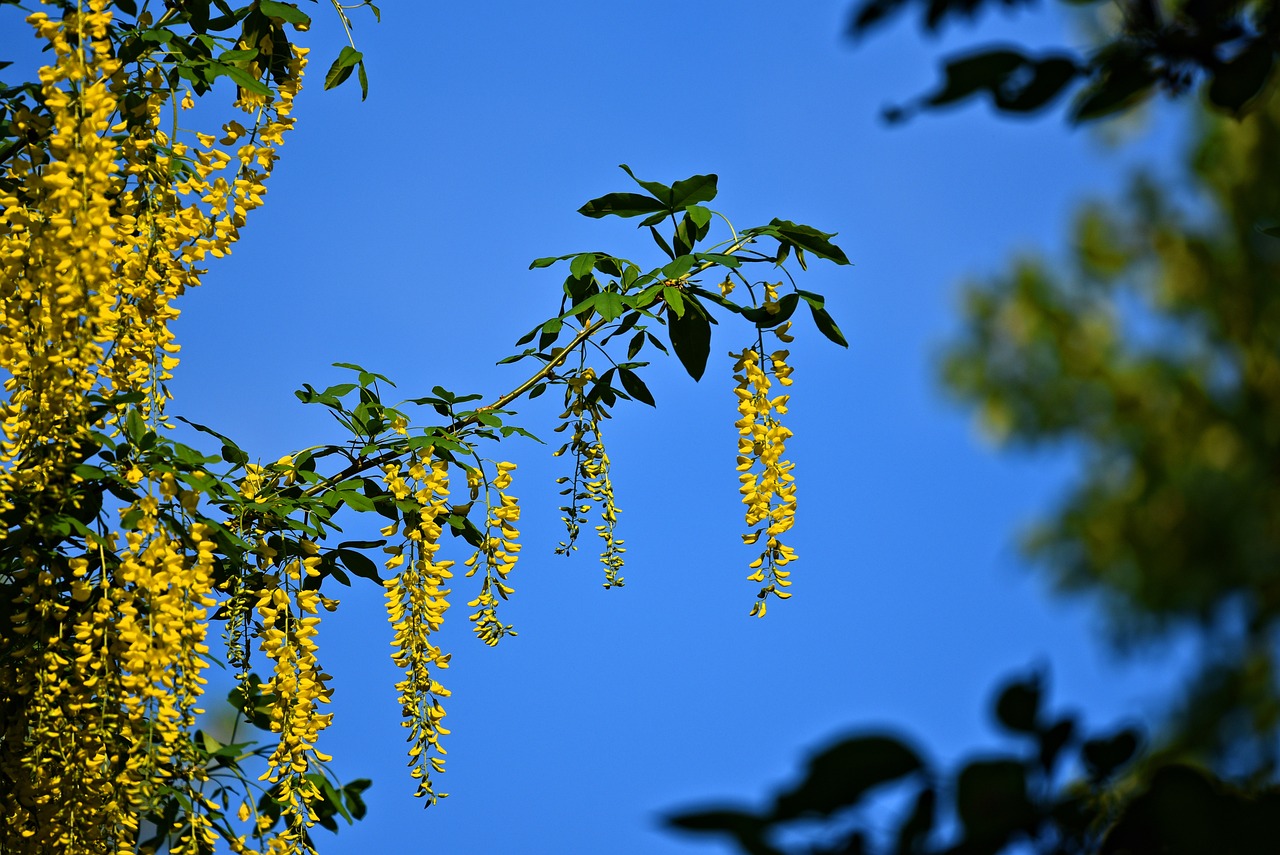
397, 234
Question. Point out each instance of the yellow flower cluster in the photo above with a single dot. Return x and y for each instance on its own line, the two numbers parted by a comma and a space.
591, 482
288, 616
57, 230
103, 233
100, 232
500, 551
767, 483
417, 598
110, 689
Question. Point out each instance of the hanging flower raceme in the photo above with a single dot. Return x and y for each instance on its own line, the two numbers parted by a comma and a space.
497, 554
288, 615
417, 599
767, 483
101, 229
590, 483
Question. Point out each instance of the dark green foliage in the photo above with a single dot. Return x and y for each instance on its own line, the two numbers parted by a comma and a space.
1028, 798
1156, 353
1226, 48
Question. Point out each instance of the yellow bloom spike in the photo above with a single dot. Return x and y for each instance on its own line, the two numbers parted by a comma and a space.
767, 485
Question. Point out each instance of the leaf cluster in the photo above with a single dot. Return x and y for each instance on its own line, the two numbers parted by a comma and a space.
194, 43
1058, 792
607, 289
1225, 49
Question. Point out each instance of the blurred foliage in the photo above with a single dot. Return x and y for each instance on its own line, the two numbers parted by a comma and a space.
1055, 790
1155, 352
1226, 48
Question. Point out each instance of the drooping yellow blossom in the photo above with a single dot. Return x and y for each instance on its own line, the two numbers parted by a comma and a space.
417, 599
102, 227
767, 483
499, 552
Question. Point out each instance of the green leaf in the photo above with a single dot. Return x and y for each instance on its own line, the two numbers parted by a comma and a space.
364, 80
583, 264
662, 242
609, 305
359, 564
659, 190
353, 793
678, 268
691, 338
700, 216
973, 73
809, 239
654, 219
730, 261
635, 386
621, 205
550, 332
827, 326
232, 56
764, 319
356, 501
341, 69
286, 12
690, 191
242, 78
674, 299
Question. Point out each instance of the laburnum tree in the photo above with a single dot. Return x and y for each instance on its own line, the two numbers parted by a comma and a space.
126, 555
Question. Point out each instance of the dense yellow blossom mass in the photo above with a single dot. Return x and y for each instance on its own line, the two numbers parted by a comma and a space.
120, 547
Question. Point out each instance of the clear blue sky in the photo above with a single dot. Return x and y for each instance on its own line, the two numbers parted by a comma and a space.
397, 234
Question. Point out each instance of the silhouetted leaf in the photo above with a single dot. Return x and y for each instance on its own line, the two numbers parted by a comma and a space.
827, 326
870, 13
1238, 81
747, 829
1120, 86
1035, 84
991, 800
1053, 740
979, 72
839, 776
1104, 756
1184, 812
914, 832
1018, 704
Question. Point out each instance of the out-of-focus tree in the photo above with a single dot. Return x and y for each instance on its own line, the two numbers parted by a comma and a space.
1225, 48
1054, 791
1153, 352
